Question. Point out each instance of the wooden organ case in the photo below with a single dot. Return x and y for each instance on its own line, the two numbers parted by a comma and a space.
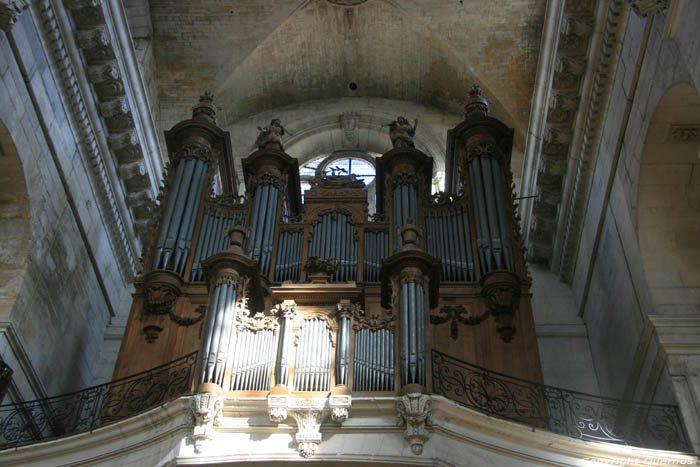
284, 298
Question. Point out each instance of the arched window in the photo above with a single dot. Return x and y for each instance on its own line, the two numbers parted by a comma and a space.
358, 163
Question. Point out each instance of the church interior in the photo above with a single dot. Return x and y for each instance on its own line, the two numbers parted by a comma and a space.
390, 232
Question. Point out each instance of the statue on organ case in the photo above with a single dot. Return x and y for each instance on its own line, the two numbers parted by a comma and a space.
401, 132
271, 135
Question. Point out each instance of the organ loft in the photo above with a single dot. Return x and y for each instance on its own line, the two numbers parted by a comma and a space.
319, 300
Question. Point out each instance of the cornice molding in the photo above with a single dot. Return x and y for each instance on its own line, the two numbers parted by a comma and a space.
147, 435
91, 142
603, 59
646, 8
560, 81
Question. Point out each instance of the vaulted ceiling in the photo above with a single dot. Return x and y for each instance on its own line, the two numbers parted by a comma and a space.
260, 56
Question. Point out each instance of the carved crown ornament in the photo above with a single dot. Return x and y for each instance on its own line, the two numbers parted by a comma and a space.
374, 322
193, 150
258, 322
266, 178
484, 149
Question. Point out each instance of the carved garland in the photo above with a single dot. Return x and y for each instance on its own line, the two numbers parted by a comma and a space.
455, 315
361, 320
256, 323
333, 211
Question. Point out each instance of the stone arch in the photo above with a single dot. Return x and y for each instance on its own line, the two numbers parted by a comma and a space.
668, 221
14, 223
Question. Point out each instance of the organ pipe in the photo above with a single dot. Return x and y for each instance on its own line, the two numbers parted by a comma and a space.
334, 238
374, 360
263, 218
218, 328
175, 238
493, 231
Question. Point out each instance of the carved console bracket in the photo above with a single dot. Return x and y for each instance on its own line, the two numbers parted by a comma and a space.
161, 290
414, 412
205, 413
502, 292
309, 414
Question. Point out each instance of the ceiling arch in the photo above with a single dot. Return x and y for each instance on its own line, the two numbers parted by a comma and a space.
262, 56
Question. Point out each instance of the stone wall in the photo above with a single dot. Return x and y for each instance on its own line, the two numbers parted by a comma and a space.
609, 284
53, 333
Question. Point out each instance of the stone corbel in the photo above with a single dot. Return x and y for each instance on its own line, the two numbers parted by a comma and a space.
414, 411
10, 11
205, 413
647, 8
309, 415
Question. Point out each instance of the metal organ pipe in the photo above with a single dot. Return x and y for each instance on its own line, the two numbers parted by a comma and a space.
405, 207
343, 354
374, 364
184, 237
493, 233
282, 368
412, 333
335, 239
175, 238
218, 329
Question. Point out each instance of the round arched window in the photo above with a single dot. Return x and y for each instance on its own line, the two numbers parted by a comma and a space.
358, 163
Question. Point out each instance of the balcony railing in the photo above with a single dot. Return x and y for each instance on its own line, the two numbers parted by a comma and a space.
84, 410
570, 413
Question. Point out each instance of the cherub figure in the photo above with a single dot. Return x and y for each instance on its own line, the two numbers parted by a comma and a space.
271, 135
401, 132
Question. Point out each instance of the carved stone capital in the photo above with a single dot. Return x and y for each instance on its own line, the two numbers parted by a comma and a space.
645, 8
10, 11
205, 413
286, 309
309, 415
414, 412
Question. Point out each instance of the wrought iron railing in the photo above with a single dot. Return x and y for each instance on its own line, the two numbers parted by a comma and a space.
570, 413
84, 410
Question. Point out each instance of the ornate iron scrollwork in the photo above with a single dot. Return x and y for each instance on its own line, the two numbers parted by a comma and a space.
570, 413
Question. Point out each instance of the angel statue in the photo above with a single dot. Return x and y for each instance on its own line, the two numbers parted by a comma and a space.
401, 132
271, 135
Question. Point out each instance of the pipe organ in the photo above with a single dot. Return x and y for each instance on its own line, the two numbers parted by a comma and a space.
281, 298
